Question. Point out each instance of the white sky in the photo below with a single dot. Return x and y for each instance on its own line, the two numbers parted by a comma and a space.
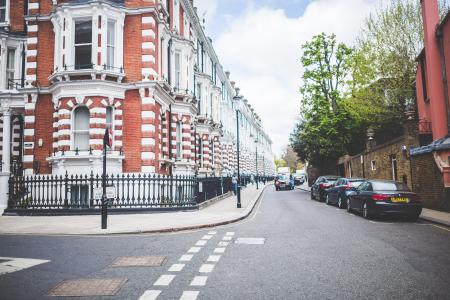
261, 46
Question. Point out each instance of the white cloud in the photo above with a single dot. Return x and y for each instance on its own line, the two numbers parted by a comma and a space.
207, 9
262, 50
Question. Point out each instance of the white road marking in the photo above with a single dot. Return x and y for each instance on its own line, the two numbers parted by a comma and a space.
14, 264
227, 238
164, 280
176, 267
150, 295
189, 295
219, 250
195, 250
229, 233
186, 257
223, 244
212, 232
250, 241
201, 243
207, 237
213, 258
206, 268
199, 281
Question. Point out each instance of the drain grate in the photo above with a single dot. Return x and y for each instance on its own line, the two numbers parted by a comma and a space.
250, 241
88, 287
139, 261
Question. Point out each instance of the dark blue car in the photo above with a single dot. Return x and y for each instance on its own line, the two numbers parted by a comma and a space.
338, 193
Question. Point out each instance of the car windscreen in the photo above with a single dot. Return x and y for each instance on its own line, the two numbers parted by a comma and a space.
283, 177
389, 186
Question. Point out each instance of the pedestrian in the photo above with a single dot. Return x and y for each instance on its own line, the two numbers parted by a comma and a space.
234, 181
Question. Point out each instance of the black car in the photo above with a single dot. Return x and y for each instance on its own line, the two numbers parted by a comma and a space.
383, 197
318, 189
338, 193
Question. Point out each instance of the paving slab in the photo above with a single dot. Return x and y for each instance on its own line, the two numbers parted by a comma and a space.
219, 213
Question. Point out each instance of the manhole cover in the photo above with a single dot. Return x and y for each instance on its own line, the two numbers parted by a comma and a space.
139, 261
250, 241
88, 287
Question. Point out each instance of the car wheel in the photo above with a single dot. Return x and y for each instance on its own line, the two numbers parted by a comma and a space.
366, 212
349, 208
312, 195
340, 202
327, 200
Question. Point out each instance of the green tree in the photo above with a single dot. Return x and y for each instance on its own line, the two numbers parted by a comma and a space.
326, 127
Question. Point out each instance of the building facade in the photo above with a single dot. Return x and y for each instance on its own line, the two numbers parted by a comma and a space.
144, 68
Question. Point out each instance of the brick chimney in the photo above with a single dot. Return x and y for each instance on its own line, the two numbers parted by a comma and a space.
430, 15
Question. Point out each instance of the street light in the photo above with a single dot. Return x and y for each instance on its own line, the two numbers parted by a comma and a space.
238, 188
256, 145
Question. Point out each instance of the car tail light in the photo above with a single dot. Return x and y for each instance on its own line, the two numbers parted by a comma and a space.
348, 187
380, 197
324, 185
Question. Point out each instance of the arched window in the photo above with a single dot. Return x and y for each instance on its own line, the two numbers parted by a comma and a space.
81, 128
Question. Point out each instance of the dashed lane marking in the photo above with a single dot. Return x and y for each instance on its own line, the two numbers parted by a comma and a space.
186, 257
199, 281
14, 264
229, 234
219, 250
207, 237
213, 258
150, 295
227, 238
195, 250
201, 243
212, 232
189, 295
164, 280
176, 268
223, 244
206, 268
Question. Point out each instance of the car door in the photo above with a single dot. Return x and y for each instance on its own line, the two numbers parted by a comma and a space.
355, 200
340, 188
315, 186
334, 191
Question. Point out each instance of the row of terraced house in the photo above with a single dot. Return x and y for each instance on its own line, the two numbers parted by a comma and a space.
145, 68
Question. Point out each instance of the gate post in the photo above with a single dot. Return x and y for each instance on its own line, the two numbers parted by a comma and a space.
4, 189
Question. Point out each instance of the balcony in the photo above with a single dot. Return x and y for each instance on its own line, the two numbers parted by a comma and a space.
84, 72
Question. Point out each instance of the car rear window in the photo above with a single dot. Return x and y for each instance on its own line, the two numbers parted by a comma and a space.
355, 184
282, 177
389, 186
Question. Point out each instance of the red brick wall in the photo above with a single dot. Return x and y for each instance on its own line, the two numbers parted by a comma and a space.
132, 132
133, 48
44, 131
45, 57
16, 15
446, 43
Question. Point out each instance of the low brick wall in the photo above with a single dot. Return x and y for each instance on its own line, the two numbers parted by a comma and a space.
428, 183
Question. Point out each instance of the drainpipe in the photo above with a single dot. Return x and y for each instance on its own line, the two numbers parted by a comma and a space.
169, 62
440, 39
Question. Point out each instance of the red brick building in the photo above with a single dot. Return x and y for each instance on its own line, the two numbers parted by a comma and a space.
430, 163
144, 68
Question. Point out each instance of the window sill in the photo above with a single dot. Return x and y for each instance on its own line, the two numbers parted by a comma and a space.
95, 73
84, 155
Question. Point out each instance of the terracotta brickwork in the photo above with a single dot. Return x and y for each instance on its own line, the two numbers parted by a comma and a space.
44, 132
132, 133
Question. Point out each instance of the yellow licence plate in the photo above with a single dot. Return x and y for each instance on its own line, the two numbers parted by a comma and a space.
400, 200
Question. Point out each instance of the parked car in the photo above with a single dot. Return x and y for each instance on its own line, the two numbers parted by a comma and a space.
299, 179
284, 182
338, 193
382, 197
318, 189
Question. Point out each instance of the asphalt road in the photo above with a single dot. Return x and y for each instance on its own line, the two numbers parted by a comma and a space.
310, 251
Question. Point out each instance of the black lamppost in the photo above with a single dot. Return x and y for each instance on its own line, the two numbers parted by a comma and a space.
238, 188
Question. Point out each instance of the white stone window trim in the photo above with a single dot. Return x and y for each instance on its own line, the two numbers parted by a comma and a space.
4, 46
71, 15
73, 131
6, 22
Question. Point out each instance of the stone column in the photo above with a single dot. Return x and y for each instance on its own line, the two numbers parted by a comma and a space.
6, 159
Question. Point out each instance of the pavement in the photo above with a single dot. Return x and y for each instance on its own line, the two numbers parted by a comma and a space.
218, 213
289, 248
427, 214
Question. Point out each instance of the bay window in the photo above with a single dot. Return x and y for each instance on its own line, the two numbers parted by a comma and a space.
10, 67
177, 70
83, 44
80, 131
111, 44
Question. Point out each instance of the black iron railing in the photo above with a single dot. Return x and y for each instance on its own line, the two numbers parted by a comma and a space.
211, 187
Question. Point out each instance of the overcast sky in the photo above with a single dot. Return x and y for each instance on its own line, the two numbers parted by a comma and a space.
260, 43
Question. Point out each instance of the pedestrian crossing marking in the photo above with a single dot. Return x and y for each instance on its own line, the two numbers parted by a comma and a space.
14, 264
